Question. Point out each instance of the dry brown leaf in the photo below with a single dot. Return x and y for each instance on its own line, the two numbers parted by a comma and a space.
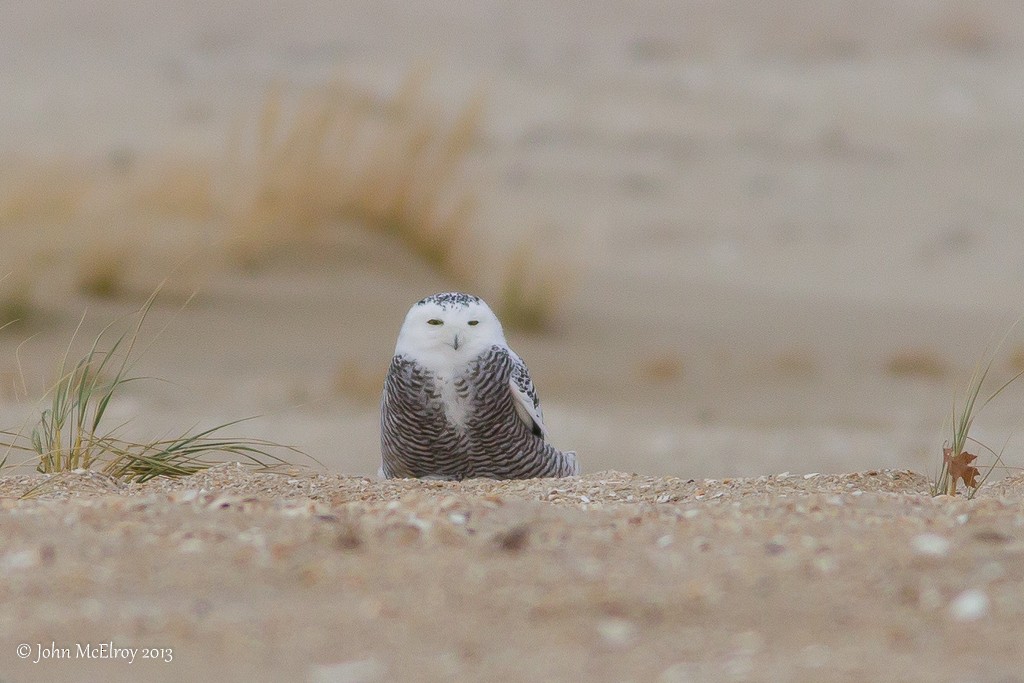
959, 467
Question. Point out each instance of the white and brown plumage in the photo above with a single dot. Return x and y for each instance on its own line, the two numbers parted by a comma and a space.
459, 403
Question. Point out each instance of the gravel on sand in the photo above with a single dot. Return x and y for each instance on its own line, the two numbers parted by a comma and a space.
237, 575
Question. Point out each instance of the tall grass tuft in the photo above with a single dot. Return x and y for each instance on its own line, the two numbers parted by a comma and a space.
956, 460
71, 435
529, 293
342, 154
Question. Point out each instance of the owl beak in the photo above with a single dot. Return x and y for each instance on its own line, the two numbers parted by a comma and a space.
455, 344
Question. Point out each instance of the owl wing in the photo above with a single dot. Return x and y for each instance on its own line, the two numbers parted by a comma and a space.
527, 403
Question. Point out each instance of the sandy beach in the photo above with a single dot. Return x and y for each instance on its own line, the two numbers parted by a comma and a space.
778, 237
613, 576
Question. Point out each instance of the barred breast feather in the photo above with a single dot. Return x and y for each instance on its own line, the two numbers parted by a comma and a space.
482, 421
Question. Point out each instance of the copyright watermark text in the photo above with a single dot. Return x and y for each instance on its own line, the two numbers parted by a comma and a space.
42, 652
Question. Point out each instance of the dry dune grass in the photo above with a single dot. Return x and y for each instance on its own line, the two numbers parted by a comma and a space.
661, 368
41, 192
332, 156
337, 155
15, 298
101, 271
340, 154
917, 363
33, 195
66, 223
529, 291
180, 188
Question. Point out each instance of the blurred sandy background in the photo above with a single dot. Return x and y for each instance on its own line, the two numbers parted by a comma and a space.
762, 236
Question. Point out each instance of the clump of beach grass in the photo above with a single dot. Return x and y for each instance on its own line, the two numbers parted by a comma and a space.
101, 272
71, 432
331, 156
15, 299
957, 461
529, 292
341, 154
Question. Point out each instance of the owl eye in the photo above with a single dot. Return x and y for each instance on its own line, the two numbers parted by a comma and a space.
474, 322
435, 321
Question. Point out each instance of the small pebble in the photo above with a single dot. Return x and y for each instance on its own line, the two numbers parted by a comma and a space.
191, 546
932, 545
970, 605
617, 632
21, 559
420, 524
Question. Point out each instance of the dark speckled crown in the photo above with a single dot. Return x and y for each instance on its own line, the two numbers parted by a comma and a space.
451, 300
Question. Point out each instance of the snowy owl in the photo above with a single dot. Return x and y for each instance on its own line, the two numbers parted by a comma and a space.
459, 403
